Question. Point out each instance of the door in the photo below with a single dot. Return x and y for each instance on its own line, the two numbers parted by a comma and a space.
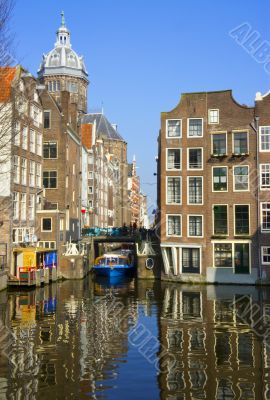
190, 260
241, 258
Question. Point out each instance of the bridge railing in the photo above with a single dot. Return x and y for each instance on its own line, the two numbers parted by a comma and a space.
140, 234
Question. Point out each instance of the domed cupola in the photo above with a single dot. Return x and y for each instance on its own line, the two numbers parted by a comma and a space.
62, 60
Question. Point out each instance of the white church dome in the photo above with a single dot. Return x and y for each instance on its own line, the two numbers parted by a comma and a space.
62, 60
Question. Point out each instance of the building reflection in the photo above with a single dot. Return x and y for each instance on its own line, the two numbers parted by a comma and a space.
64, 337
209, 333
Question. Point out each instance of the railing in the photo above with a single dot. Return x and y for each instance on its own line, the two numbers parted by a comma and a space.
138, 234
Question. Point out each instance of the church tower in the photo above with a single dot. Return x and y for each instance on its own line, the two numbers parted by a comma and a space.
62, 69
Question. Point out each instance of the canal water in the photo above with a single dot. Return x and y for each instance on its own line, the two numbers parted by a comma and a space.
133, 340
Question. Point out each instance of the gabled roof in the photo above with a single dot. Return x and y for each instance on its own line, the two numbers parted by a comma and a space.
103, 127
7, 75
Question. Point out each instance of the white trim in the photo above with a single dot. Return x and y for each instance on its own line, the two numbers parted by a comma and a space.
196, 137
219, 133
50, 141
166, 133
232, 243
194, 169
240, 166
176, 177
42, 230
50, 118
260, 143
188, 246
209, 111
227, 176
261, 220
240, 131
213, 221
195, 204
261, 188
234, 220
264, 247
173, 215
195, 215
173, 169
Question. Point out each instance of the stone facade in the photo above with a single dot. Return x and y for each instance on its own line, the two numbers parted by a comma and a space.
208, 175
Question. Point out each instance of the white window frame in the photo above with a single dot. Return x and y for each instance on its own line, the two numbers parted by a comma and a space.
213, 221
32, 143
188, 246
260, 139
181, 127
17, 169
39, 146
234, 220
32, 173
209, 116
194, 169
16, 202
181, 194
194, 137
25, 135
227, 175
23, 207
262, 262
32, 206
24, 171
167, 151
232, 243
261, 187
237, 190
219, 133
167, 224
17, 134
38, 175
188, 232
240, 131
188, 178
50, 121
42, 224
48, 142
261, 219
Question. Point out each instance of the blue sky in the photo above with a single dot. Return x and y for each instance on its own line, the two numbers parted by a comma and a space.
141, 55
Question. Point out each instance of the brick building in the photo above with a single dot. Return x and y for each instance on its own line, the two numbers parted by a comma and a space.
20, 162
214, 183
134, 192
64, 98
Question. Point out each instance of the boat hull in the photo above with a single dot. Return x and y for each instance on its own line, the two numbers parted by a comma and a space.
115, 271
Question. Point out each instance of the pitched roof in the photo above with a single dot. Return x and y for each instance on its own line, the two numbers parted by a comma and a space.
104, 129
7, 75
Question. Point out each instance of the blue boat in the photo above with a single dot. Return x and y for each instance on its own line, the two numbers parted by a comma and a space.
114, 265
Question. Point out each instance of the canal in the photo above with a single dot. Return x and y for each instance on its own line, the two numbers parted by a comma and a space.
135, 340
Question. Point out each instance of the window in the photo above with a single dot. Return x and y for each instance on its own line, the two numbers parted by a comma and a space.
17, 134
213, 116
32, 174
32, 199
265, 252
39, 144
32, 141
241, 178
36, 114
195, 127
15, 205
191, 260
47, 244
195, 225
16, 163
90, 175
47, 119
25, 138
38, 175
23, 206
90, 189
46, 225
265, 217
265, 138
50, 150
61, 225
50, 179
241, 218
173, 225
72, 87
219, 144
220, 179
173, 190
240, 143
223, 255
195, 158
23, 171
195, 190
265, 176
220, 220
173, 159
174, 128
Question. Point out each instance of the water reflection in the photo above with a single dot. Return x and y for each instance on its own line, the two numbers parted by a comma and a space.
65, 341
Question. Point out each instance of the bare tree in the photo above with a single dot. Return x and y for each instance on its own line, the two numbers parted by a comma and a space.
6, 38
